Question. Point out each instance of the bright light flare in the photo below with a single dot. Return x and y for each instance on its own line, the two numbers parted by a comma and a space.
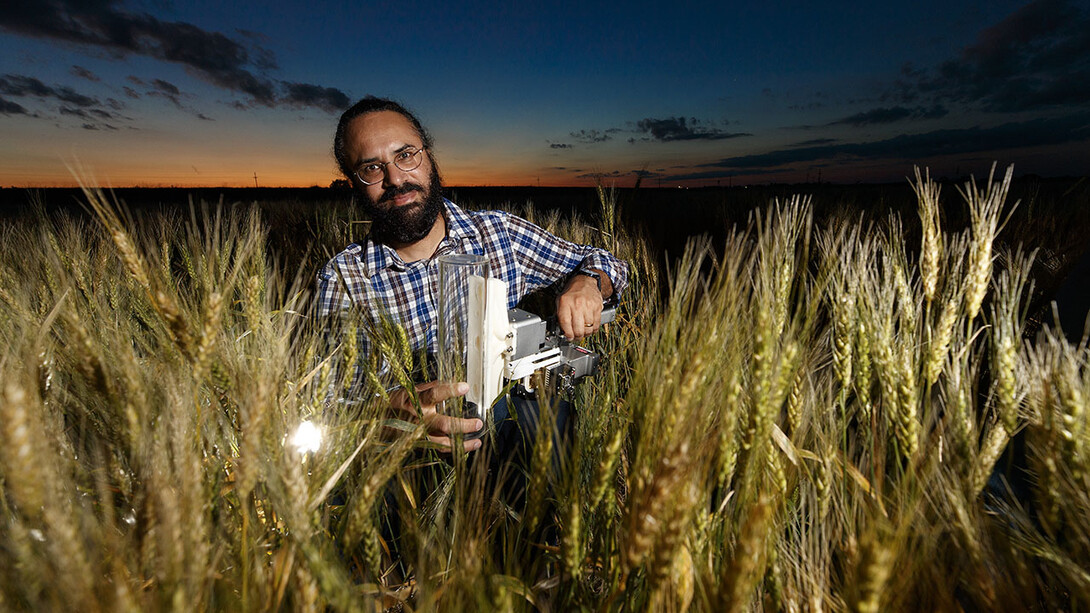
307, 437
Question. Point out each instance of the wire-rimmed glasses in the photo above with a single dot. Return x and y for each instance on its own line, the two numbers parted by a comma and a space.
406, 160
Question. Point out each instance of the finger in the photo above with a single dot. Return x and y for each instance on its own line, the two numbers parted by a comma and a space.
579, 330
434, 392
592, 319
445, 443
596, 314
564, 318
399, 399
585, 323
447, 424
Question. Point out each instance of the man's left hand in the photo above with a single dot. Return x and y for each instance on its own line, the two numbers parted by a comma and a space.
579, 308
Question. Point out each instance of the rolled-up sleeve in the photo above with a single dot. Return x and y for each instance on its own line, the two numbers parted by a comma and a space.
546, 258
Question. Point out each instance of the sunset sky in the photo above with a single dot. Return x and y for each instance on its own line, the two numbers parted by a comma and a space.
161, 93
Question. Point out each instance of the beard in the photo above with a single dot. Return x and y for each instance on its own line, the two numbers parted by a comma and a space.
405, 224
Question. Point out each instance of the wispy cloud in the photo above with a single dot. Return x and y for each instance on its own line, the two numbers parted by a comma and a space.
72, 103
661, 130
681, 128
613, 174
7, 107
168, 90
84, 73
1027, 77
1037, 57
329, 99
642, 173
211, 56
21, 85
891, 115
86, 113
560, 146
593, 136
816, 141
1013, 135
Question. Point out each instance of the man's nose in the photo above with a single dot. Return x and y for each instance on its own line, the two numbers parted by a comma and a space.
393, 176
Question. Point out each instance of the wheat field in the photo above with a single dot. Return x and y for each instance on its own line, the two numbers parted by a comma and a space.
813, 416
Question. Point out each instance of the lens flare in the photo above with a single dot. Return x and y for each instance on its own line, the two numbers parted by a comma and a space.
307, 437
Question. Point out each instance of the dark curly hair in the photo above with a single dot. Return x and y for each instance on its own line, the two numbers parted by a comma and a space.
371, 104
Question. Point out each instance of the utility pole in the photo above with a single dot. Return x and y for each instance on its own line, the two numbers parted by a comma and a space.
255, 179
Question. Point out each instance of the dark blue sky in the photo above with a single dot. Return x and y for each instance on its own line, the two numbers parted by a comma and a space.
170, 93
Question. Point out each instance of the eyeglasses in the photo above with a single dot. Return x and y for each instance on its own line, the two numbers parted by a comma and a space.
406, 160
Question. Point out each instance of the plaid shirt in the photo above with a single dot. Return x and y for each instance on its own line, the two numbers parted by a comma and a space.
374, 279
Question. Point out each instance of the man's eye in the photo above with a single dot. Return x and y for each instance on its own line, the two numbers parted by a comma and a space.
371, 168
405, 155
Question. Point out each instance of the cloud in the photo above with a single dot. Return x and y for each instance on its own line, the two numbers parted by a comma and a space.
74, 104
211, 56
67, 94
83, 73
602, 175
1034, 59
663, 130
166, 89
560, 145
680, 128
592, 136
7, 107
1037, 57
1013, 135
816, 141
329, 99
87, 113
82, 114
891, 115
98, 126
875, 116
18, 85
21, 85
615, 174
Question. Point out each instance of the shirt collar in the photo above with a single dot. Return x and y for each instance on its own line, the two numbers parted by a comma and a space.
461, 229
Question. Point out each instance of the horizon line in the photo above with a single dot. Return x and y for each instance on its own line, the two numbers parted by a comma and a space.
644, 185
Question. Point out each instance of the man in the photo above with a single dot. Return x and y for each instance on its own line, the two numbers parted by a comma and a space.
387, 156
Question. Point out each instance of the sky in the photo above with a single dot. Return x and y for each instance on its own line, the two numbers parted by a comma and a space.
206, 93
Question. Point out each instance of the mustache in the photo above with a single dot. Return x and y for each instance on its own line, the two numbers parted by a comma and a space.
391, 192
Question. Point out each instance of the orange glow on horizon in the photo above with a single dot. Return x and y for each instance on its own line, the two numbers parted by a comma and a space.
118, 177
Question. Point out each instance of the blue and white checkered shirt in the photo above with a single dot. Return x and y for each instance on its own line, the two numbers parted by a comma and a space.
374, 279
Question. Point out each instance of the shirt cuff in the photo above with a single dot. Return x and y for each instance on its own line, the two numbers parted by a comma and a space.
616, 270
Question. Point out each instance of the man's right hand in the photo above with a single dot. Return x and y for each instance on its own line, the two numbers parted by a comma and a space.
440, 427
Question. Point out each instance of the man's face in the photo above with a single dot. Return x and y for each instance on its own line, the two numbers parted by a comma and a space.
403, 205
